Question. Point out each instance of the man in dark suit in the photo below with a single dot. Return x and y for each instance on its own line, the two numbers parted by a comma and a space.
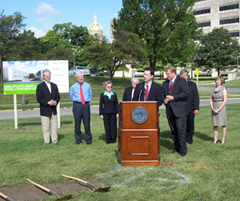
148, 90
175, 91
48, 97
193, 104
129, 92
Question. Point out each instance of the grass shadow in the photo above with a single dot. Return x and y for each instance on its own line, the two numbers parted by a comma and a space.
116, 153
25, 124
203, 136
102, 137
65, 122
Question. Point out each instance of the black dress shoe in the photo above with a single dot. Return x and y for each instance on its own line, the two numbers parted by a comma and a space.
175, 151
184, 153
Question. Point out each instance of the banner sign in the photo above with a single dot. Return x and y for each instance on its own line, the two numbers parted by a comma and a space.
22, 77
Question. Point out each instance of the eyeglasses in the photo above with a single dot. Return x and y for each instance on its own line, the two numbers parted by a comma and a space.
109, 86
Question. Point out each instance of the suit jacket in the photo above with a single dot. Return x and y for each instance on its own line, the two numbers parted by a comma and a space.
180, 93
193, 98
43, 96
108, 106
155, 93
127, 96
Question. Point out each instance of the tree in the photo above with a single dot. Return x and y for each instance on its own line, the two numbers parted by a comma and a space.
217, 50
125, 49
26, 47
167, 27
10, 27
63, 36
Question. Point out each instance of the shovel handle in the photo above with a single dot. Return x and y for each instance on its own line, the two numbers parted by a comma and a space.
74, 178
40, 186
2, 195
5, 197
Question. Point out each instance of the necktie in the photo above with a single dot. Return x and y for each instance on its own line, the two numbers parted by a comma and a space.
146, 94
170, 88
82, 95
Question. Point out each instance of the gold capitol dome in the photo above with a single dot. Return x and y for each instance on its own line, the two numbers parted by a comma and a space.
95, 27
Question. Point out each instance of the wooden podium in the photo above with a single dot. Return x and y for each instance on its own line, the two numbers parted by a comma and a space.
138, 133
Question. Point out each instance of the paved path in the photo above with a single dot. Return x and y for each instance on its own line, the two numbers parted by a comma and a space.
235, 90
68, 111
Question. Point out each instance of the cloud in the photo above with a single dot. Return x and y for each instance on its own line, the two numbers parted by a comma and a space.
38, 33
46, 11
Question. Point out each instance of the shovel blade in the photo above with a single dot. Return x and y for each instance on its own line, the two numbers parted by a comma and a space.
102, 190
67, 197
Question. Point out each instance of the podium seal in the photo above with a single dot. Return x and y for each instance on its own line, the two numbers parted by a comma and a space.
139, 115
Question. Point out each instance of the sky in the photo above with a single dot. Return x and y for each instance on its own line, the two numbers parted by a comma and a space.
41, 16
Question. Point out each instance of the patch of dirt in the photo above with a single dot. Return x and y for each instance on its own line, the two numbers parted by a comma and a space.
29, 192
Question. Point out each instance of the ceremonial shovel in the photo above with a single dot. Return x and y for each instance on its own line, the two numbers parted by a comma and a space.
96, 189
50, 191
5, 197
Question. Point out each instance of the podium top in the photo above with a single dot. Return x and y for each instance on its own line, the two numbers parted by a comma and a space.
150, 102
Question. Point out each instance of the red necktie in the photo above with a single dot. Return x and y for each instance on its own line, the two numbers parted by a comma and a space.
170, 88
82, 95
146, 94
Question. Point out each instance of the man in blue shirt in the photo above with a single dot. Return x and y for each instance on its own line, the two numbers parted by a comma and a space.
81, 96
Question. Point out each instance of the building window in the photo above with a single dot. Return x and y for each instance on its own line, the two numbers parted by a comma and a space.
229, 7
204, 24
230, 21
234, 34
200, 12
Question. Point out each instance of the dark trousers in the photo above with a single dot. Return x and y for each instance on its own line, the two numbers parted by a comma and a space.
178, 129
110, 125
81, 111
190, 127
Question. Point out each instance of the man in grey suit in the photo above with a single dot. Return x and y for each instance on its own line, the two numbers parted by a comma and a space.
193, 105
175, 91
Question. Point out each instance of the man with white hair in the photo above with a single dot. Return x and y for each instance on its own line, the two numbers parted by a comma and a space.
81, 96
129, 92
48, 97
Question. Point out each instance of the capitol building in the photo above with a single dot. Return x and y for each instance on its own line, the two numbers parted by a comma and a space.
95, 29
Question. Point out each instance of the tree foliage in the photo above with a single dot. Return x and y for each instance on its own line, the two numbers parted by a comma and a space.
125, 49
168, 28
10, 27
63, 36
217, 50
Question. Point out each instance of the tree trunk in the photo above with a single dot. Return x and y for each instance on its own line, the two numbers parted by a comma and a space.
111, 76
23, 99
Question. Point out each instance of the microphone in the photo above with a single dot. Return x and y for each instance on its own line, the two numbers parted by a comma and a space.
142, 91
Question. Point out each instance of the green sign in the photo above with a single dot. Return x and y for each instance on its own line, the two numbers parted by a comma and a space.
24, 88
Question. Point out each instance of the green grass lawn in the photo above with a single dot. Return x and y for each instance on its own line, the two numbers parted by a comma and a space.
208, 171
119, 84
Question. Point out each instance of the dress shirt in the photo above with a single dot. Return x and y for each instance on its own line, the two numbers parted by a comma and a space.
49, 86
105, 94
173, 80
132, 93
149, 86
75, 92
